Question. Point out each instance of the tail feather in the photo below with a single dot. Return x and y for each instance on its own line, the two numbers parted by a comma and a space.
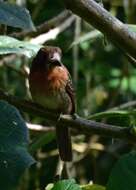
64, 143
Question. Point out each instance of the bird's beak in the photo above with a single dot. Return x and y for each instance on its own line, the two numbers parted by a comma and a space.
56, 59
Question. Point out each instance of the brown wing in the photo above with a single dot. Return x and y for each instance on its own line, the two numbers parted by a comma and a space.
63, 133
71, 93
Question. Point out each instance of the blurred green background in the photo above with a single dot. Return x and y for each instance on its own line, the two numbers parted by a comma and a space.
103, 78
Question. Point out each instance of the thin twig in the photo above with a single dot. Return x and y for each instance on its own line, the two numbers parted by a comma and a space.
124, 106
39, 128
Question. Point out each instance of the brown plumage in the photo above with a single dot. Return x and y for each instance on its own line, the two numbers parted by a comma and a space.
51, 86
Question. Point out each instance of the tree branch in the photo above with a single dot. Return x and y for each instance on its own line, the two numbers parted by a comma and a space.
44, 27
101, 19
53, 33
92, 127
80, 124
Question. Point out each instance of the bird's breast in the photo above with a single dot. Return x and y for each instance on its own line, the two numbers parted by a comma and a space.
57, 78
48, 89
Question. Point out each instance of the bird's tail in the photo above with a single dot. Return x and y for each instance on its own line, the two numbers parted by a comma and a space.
64, 143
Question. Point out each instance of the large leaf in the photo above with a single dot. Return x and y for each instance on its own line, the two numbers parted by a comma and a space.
123, 175
16, 16
11, 45
14, 158
66, 185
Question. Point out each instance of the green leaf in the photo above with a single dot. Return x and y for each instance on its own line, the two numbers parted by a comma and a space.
14, 158
123, 175
93, 187
16, 16
66, 185
11, 45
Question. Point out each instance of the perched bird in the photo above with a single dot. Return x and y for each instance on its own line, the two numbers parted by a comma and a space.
51, 86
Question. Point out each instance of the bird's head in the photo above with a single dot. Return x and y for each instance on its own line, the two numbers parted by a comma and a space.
47, 57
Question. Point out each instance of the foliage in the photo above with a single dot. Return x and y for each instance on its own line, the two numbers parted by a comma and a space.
125, 168
14, 158
66, 185
10, 45
103, 80
71, 185
13, 15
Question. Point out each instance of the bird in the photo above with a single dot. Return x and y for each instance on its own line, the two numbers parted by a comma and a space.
51, 86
